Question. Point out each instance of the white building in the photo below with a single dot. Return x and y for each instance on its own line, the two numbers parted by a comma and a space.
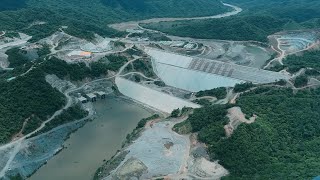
101, 94
91, 97
83, 99
80, 54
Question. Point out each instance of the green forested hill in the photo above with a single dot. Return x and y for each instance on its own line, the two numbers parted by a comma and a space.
87, 17
27, 97
283, 143
31, 97
11, 4
231, 28
259, 19
298, 10
309, 59
168, 8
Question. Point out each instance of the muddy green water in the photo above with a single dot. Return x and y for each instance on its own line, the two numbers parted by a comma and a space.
97, 140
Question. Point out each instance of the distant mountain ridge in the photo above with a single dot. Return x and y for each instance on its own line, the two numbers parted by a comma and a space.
169, 8
259, 19
84, 17
298, 10
11, 4
138, 5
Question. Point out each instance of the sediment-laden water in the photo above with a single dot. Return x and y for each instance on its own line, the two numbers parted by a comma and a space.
97, 140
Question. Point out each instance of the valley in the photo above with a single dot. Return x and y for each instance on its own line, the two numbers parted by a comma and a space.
151, 104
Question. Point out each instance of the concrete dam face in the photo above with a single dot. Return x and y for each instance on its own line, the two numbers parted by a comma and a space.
196, 74
151, 97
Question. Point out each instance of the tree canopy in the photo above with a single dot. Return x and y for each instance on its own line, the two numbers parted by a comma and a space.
259, 19
283, 143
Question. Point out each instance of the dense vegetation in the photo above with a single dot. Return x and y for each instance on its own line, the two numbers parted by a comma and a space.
84, 18
26, 97
144, 121
73, 72
231, 28
160, 83
16, 57
202, 102
17, 177
16, 71
204, 117
312, 72
31, 98
309, 59
175, 113
79, 71
44, 51
110, 62
144, 66
71, 114
283, 143
11, 4
114, 62
151, 36
301, 81
219, 93
167, 8
297, 10
259, 19
242, 87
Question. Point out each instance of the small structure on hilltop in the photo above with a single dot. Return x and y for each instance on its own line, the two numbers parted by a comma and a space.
189, 46
32, 46
91, 97
79, 55
137, 31
101, 94
83, 99
178, 44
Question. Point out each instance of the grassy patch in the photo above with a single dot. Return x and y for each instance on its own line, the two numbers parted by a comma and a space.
183, 127
219, 93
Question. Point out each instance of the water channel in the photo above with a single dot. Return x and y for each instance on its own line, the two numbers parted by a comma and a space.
97, 140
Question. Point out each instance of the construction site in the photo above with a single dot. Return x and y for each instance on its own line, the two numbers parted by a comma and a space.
156, 77
174, 72
195, 74
73, 49
295, 41
7, 42
251, 54
161, 152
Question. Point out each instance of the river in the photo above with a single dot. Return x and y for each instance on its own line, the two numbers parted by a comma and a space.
97, 140
135, 24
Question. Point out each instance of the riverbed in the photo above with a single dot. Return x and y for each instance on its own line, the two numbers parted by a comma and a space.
97, 140
135, 24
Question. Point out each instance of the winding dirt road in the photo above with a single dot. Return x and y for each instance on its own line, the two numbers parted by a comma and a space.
282, 53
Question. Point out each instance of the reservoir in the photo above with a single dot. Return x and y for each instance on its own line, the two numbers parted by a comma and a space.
97, 140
